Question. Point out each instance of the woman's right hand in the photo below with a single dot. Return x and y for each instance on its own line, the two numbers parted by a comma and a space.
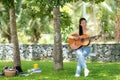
76, 38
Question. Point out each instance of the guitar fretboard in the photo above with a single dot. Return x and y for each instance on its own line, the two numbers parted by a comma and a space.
92, 37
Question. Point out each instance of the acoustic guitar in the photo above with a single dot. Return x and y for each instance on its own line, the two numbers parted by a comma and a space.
83, 40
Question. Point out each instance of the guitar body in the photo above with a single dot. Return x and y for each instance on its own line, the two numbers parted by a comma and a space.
75, 44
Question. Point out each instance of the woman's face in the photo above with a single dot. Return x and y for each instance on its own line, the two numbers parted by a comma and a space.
83, 23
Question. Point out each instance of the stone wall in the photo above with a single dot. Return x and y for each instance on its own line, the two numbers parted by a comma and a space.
100, 52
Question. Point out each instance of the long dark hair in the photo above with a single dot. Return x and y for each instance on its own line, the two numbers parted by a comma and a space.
80, 27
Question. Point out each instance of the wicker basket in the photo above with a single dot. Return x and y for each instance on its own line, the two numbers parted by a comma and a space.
10, 73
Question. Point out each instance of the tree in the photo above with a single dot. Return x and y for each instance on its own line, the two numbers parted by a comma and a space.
58, 59
16, 52
96, 1
117, 36
4, 23
34, 19
4, 20
57, 49
107, 17
66, 28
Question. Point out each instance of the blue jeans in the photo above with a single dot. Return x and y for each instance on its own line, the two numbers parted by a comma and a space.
81, 54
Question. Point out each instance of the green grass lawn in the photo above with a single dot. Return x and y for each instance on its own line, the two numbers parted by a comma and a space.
98, 71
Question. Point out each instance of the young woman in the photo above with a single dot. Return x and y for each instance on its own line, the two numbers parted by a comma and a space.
81, 52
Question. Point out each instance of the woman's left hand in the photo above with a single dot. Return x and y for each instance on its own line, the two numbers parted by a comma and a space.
96, 37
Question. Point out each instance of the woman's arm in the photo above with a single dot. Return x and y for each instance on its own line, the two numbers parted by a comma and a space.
71, 35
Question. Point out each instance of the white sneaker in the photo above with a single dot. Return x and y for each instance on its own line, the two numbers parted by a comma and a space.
77, 75
86, 72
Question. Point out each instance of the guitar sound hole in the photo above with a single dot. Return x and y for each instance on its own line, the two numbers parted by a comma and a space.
82, 40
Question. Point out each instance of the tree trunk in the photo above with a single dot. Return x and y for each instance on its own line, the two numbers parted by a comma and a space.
117, 36
16, 52
57, 50
9, 35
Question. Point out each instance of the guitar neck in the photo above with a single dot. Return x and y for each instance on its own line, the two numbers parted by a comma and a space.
92, 37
